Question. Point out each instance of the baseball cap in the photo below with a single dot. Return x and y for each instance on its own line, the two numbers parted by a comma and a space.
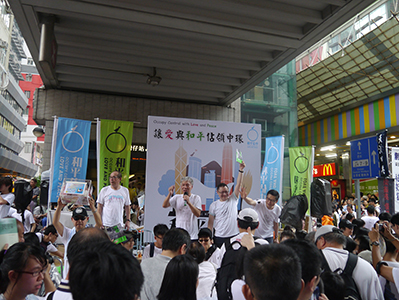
79, 211
345, 224
248, 215
205, 232
324, 230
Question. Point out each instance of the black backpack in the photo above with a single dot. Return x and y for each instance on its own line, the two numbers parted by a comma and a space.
229, 269
351, 292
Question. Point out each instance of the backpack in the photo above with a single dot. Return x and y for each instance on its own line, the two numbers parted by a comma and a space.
351, 292
227, 272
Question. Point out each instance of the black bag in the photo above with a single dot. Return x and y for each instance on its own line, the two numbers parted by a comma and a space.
320, 199
23, 196
351, 292
227, 272
44, 189
294, 211
152, 249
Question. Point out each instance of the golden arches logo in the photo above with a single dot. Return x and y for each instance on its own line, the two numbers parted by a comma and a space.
328, 170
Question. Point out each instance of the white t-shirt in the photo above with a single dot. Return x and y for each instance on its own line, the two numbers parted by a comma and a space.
225, 213
65, 238
29, 220
236, 246
114, 202
370, 221
395, 274
184, 216
146, 252
236, 289
206, 280
364, 275
4, 209
267, 218
216, 258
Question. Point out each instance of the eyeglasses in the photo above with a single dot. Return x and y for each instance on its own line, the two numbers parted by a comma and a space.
223, 192
113, 177
203, 240
271, 200
34, 274
81, 218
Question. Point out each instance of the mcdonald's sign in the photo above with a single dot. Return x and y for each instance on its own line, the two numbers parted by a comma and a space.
324, 170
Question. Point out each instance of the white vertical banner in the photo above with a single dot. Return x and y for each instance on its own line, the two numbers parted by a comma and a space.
395, 174
204, 150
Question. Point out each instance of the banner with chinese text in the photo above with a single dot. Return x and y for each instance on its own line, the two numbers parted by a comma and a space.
272, 171
386, 191
395, 174
204, 150
301, 171
69, 152
382, 147
114, 140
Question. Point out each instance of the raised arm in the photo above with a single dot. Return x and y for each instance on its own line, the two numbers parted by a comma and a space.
166, 202
237, 186
57, 215
96, 215
244, 196
382, 268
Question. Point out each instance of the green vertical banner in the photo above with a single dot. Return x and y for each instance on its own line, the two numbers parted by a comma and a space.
114, 140
301, 170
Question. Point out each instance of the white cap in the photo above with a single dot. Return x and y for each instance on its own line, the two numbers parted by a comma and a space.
248, 215
324, 230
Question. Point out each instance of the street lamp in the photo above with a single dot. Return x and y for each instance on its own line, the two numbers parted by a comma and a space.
38, 131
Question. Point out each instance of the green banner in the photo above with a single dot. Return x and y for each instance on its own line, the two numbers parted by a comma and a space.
114, 140
301, 170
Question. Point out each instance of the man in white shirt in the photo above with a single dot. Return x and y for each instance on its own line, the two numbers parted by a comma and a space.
186, 205
6, 198
79, 219
370, 219
223, 212
331, 241
269, 212
112, 200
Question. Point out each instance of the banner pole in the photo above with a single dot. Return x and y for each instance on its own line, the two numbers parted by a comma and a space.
357, 193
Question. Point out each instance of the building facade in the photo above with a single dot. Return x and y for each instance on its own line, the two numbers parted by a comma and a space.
12, 100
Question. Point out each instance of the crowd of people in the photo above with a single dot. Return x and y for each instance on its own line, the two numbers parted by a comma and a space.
239, 255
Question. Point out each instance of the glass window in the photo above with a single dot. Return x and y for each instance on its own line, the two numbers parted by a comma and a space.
28, 77
27, 94
28, 147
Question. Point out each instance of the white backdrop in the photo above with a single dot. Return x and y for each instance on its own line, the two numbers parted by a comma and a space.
202, 149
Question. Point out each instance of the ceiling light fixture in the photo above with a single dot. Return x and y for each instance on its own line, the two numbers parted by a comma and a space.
328, 148
153, 79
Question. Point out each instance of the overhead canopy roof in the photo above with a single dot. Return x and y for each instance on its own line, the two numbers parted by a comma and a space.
208, 51
352, 76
